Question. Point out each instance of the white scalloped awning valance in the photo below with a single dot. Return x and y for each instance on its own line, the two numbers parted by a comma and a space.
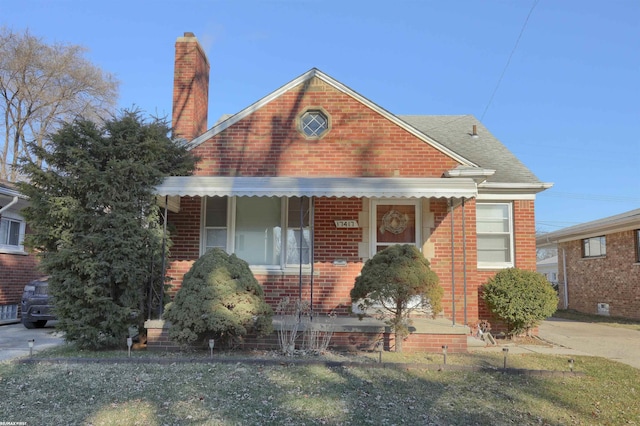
278, 186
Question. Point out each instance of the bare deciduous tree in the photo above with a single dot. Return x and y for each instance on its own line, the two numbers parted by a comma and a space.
41, 86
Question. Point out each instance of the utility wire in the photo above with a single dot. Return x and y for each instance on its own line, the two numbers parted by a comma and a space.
591, 197
504, 70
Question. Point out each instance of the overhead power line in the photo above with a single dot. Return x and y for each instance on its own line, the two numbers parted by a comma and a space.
504, 70
591, 197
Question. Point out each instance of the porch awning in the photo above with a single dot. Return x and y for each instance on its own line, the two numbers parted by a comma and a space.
278, 186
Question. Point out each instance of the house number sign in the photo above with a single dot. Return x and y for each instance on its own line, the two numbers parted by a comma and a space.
346, 223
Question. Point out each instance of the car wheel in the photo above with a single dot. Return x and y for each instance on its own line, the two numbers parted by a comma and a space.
34, 324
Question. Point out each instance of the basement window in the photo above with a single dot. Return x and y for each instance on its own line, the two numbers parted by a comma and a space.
314, 123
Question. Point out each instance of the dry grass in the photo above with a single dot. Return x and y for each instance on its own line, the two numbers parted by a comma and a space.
254, 393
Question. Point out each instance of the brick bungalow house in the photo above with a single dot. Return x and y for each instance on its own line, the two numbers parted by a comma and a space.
17, 267
312, 180
599, 265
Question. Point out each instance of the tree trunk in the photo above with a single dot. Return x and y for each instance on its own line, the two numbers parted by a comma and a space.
398, 326
398, 341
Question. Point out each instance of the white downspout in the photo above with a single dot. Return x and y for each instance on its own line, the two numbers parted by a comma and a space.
14, 201
564, 278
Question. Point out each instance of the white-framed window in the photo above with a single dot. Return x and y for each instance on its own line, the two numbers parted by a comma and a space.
594, 247
270, 232
298, 231
11, 232
494, 233
314, 123
396, 222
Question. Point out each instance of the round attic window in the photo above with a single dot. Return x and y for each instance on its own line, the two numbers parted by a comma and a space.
314, 123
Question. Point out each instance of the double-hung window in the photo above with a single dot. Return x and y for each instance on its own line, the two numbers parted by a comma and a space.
637, 233
494, 232
594, 247
271, 232
298, 231
11, 233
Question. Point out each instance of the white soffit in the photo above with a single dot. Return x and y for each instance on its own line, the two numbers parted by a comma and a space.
201, 186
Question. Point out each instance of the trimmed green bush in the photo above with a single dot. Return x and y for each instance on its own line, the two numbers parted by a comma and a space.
220, 299
521, 298
391, 280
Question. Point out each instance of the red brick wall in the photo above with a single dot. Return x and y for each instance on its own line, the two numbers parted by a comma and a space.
190, 88
612, 279
360, 143
158, 340
16, 270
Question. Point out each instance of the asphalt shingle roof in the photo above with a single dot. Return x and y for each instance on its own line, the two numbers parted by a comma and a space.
454, 132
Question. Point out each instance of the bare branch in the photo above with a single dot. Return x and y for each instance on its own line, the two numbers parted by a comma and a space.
42, 86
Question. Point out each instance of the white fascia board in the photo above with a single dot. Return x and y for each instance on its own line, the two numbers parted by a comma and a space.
513, 188
613, 224
488, 196
12, 193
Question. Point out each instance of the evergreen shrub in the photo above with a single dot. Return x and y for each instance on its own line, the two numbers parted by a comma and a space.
395, 282
521, 298
219, 299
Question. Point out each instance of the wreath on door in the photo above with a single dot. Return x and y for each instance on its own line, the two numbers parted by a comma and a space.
394, 222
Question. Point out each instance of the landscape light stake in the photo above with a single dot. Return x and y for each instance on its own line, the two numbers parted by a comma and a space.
380, 347
129, 344
444, 353
211, 344
571, 364
505, 351
31, 343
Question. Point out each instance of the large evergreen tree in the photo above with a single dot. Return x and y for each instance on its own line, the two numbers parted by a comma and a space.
95, 222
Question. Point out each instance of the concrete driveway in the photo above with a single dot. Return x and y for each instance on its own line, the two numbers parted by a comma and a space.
14, 340
615, 343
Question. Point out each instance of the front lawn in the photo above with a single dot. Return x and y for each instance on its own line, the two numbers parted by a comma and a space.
112, 392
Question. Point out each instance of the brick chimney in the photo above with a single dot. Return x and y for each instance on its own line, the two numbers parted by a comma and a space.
190, 88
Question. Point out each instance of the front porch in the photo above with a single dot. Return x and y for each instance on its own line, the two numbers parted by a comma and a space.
347, 334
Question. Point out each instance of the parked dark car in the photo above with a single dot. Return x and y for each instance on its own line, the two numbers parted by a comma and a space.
37, 306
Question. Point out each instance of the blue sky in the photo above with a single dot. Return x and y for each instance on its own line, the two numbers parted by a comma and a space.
567, 104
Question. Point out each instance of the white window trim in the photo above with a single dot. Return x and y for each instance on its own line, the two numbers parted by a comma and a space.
11, 249
285, 229
282, 267
375, 202
595, 256
500, 265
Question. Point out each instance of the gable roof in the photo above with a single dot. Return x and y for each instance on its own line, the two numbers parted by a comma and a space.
223, 124
608, 225
482, 156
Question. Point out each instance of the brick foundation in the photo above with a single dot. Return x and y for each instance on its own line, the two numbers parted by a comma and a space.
359, 338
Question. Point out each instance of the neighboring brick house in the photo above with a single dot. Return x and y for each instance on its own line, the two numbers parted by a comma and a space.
17, 267
310, 181
599, 265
